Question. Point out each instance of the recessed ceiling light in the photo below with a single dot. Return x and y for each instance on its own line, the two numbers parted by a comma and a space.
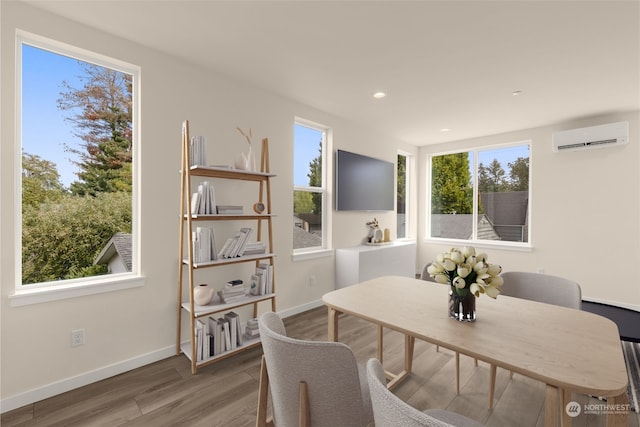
379, 95
516, 92
444, 130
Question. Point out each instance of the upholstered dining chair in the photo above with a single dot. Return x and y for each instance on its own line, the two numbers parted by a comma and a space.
425, 276
311, 383
391, 411
538, 287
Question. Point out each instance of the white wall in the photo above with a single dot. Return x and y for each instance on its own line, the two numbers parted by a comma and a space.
585, 213
127, 328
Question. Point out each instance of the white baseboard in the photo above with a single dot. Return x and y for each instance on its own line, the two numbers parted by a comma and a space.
62, 386
613, 303
53, 389
300, 309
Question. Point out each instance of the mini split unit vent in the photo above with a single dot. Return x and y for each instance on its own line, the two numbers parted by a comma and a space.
592, 137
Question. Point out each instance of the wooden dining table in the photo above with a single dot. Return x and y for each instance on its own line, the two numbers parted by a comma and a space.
569, 350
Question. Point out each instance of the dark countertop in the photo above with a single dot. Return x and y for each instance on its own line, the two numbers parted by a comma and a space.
628, 321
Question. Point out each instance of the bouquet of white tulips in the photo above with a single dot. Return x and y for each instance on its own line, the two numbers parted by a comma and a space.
467, 272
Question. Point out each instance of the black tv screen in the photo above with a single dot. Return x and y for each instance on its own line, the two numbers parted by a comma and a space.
363, 183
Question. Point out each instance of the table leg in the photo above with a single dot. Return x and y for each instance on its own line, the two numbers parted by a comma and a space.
380, 343
492, 384
409, 343
332, 333
551, 406
565, 398
457, 373
619, 418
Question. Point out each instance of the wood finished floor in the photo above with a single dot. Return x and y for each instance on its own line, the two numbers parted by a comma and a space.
225, 394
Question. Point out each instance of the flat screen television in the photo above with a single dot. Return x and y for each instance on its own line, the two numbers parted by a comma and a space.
363, 183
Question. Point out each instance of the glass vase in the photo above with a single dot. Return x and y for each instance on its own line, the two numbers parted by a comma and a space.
462, 307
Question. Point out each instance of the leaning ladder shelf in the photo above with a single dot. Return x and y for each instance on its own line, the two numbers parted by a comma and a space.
186, 257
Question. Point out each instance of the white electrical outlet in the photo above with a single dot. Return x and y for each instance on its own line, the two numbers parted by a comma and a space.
312, 280
77, 337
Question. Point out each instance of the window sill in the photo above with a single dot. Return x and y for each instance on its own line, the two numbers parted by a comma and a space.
312, 254
487, 244
42, 294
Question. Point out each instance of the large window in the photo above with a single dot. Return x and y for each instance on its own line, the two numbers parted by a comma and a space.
78, 184
309, 187
481, 195
402, 196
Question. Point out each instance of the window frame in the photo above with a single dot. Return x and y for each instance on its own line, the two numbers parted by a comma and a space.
524, 246
409, 159
325, 248
63, 289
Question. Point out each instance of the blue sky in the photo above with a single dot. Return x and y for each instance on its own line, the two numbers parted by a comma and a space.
307, 145
44, 130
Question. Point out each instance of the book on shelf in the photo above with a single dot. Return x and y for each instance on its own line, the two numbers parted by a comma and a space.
197, 151
255, 248
234, 325
229, 209
202, 340
227, 333
231, 293
262, 280
236, 246
251, 329
203, 202
204, 245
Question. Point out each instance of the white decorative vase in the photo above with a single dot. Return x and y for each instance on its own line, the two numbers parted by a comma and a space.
246, 162
203, 294
251, 160
241, 162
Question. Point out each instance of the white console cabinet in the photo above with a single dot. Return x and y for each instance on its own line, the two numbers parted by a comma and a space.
359, 263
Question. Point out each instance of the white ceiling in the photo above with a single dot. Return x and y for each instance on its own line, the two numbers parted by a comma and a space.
443, 64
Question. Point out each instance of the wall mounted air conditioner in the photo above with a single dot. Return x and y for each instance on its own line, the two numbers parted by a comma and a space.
600, 136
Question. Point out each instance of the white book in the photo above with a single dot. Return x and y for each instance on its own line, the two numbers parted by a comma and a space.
213, 251
195, 203
227, 334
254, 287
212, 200
219, 336
232, 246
213, 325
225, 248
248, 231
232, 318
202, 201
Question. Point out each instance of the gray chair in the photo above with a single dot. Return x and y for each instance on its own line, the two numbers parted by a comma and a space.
311, 383
390, 411
541, 288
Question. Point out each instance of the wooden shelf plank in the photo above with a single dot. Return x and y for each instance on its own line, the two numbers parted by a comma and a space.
218, 306
228, 217
228, 173
185, 347
226, 261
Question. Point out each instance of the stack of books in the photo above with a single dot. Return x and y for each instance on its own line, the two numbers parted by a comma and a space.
232, 292
251, 331
255, 248
230, 210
